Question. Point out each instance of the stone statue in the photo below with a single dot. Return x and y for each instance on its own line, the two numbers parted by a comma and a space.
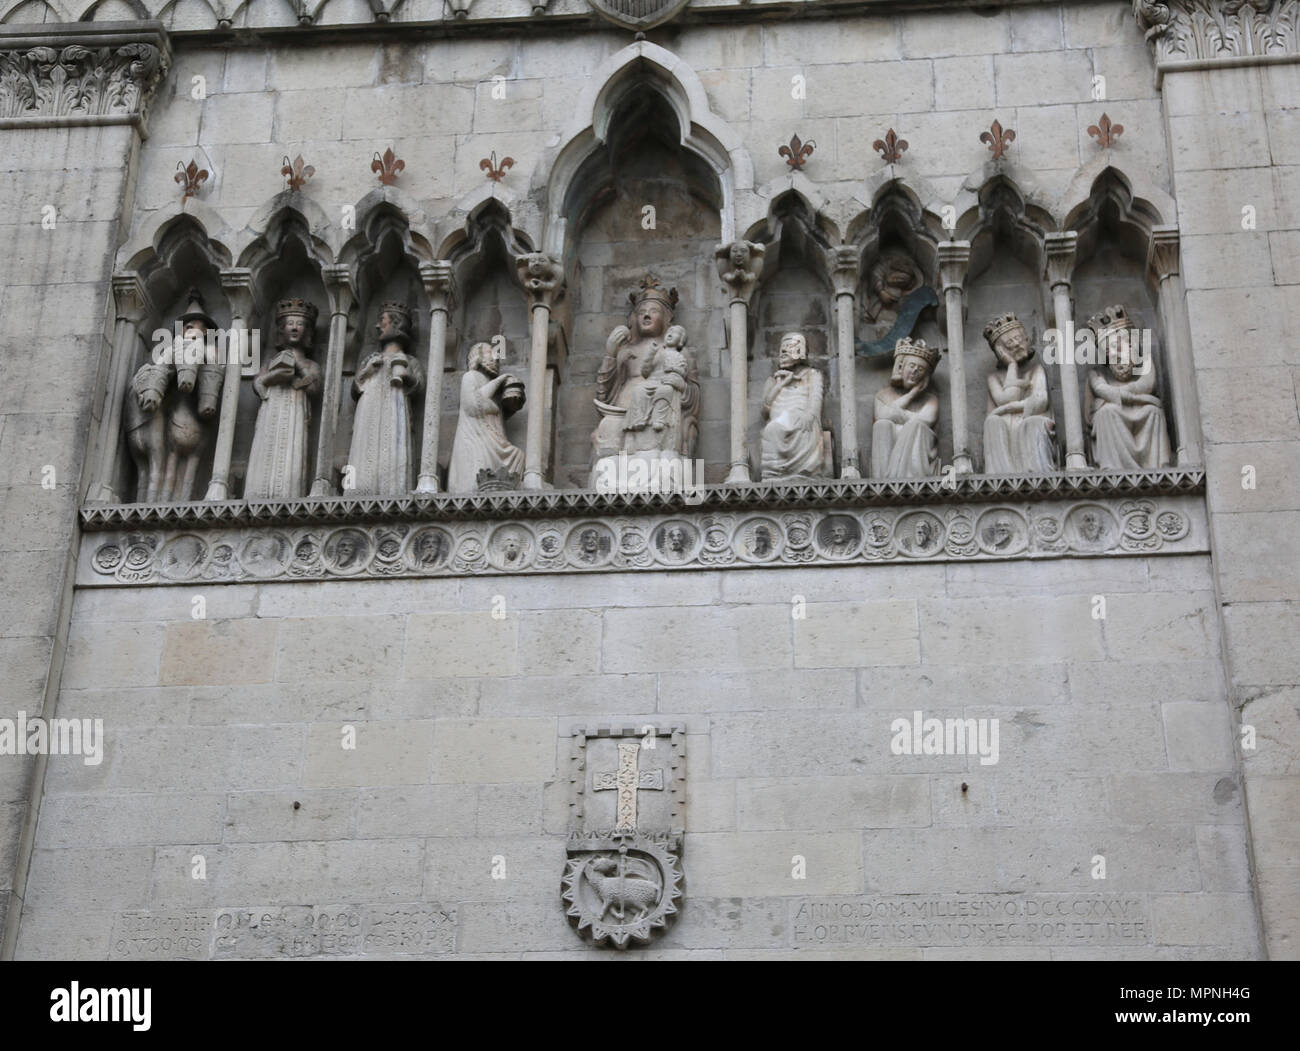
1126, 417
277, 465
903, 441
380, 455
647, 389
890, 279
794, 443
146, 428
1019, 431
480, 444
163, 433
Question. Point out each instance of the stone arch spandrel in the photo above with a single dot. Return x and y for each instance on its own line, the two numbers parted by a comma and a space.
33, 12
144, 241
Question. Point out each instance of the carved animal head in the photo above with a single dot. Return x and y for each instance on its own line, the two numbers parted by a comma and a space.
604, 866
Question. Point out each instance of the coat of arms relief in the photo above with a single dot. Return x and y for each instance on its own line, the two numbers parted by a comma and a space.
623, 880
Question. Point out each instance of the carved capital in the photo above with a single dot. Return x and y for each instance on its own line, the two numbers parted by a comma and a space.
339, 286
1162, 254
739, 265
439, 281
1060, 250
846, 269
542, 278
954, 258
79, 73
130, 296
237, 282
1231, 30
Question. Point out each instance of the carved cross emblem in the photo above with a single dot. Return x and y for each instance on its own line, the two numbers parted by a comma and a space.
627, 780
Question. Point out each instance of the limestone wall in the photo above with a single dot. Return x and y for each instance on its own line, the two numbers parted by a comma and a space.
227, 818
1114, 741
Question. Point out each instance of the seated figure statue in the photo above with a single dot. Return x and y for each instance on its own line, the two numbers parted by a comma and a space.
903, 440
1126, 418
793, 438
1019, 431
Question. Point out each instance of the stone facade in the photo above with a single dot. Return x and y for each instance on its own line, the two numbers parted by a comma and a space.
381, 719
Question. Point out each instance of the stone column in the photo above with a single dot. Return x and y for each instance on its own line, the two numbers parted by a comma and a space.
1163, 259
846, 268
954, 257
238, 285
339, 287
1061, 248
739, 265
440, 283
132, 306
543, 282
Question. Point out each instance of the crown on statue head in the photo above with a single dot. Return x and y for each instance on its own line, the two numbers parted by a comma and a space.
396, 310
916, 348
1000, 324
300, 307
1111, 320
652, 288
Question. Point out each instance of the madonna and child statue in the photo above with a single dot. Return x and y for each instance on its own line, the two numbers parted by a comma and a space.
647, 394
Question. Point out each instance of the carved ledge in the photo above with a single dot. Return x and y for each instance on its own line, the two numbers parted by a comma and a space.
445, 507
861, 528
78, 74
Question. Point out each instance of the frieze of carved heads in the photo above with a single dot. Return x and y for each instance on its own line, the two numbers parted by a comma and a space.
623, 879
1209, 29
675, 540
78, 81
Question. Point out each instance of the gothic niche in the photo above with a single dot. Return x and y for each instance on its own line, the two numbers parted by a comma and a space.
486, 402
275, 440
381, 400
173, 383
1126, 384
793, 383
1013, 398
642, 208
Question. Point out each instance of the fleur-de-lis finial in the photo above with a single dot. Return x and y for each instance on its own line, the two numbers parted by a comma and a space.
997, 140
191, 177
296, 172
797, 152
891, 147
496, 172
1105, 132
387, 166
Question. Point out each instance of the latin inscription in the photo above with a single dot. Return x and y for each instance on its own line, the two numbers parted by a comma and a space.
978, 920
184, 935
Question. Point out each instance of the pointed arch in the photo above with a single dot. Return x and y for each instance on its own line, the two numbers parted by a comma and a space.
702, 133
